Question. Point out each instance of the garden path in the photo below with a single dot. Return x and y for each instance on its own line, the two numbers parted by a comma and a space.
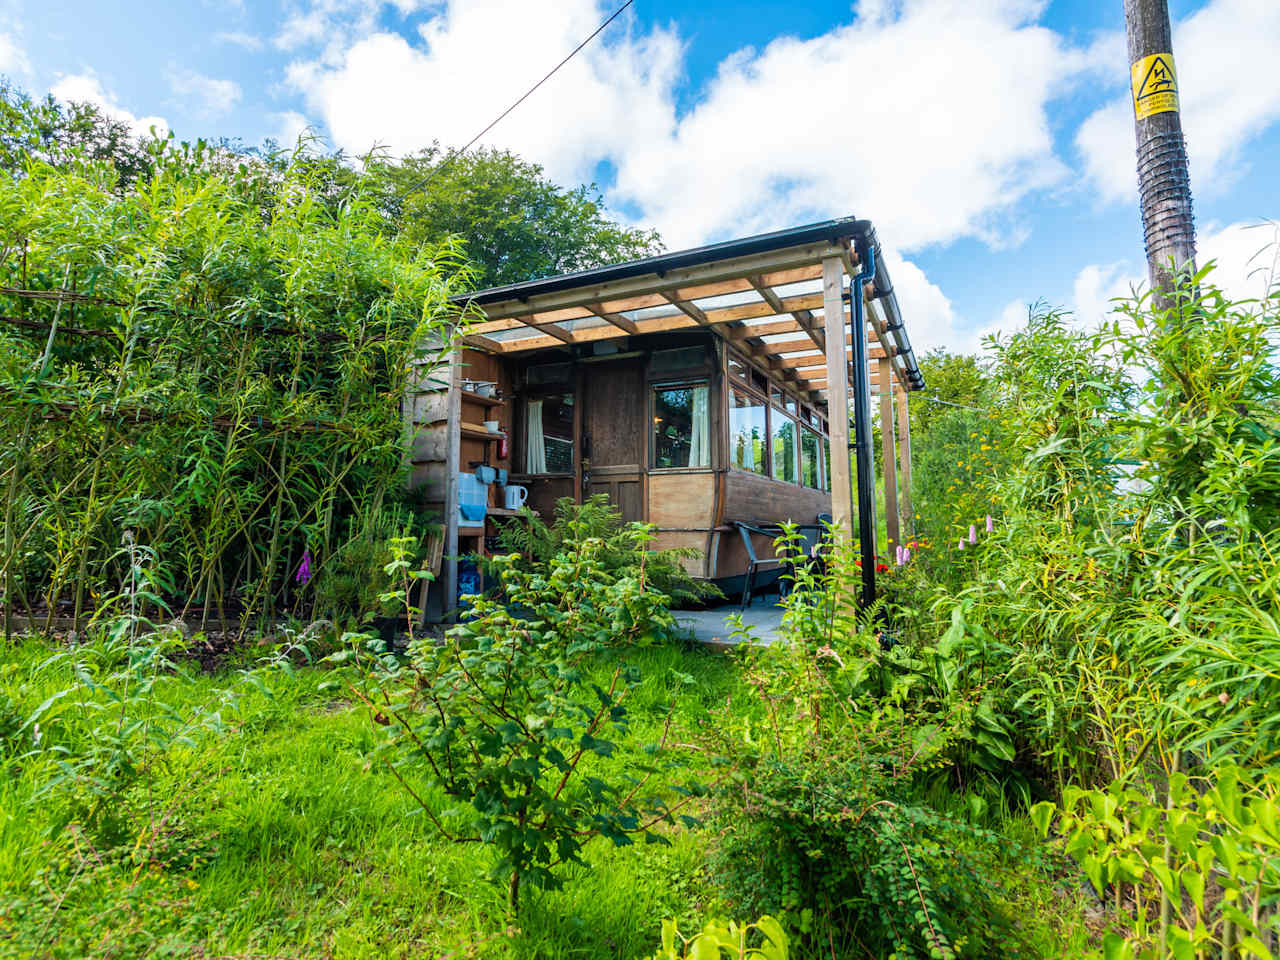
712, 626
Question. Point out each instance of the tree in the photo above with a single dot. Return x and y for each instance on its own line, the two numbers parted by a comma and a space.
515, 223
56, 132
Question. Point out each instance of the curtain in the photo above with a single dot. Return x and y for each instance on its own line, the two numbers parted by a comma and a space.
535, 445
700, 442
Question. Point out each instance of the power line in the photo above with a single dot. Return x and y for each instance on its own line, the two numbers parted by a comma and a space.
528, 93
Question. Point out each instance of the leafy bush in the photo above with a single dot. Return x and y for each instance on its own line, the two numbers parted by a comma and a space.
519, 714
825, 811
622, 553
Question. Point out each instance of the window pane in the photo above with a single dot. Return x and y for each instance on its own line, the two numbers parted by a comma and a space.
747, 433
681, 427
737, 368
809, 459
784, 447
784, 400
826, 460
548, 438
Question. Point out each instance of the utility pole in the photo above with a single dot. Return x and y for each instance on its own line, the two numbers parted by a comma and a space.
1164, 184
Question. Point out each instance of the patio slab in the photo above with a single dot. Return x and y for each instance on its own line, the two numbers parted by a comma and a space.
712, 626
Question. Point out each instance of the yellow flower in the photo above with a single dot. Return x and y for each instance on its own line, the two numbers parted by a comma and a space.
985, 446
972, 436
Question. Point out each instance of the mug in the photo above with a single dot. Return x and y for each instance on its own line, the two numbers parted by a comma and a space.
493, 426
516, 497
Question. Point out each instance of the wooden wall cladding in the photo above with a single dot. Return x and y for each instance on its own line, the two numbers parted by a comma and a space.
683, 501
756, 499
544, 492
696, 566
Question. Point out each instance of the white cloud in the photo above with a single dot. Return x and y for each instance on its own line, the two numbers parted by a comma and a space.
1226, 56
87, 88
1247, 258
290, 125
212, 96
12, 58
1247, 255
1097, 285
246, 41
931, 148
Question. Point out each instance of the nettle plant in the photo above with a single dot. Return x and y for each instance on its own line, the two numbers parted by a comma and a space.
513, 729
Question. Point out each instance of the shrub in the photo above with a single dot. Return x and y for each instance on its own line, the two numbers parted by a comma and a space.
518, 715
622, 553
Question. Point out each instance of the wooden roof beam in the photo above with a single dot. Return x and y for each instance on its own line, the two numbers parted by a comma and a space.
772, 263
690, 310
619, 321
802, 317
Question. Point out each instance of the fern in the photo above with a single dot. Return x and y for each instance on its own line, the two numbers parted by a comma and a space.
539, 543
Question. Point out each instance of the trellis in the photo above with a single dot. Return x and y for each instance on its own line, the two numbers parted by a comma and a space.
213, 362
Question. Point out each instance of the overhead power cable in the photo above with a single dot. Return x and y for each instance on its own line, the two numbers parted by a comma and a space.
528, 93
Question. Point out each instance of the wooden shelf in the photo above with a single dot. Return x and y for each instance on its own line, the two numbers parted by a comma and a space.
480, 433
477, 398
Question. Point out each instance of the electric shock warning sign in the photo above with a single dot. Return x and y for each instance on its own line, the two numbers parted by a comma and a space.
1155, 85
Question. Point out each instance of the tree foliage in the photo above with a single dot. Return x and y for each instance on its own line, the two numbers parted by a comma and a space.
515, 224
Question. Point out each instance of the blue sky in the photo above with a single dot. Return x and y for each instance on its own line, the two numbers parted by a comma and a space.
990, 140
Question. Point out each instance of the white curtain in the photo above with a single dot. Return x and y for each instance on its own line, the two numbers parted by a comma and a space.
700, 443
535, 446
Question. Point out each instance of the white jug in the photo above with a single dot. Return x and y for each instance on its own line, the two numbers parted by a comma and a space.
516, 496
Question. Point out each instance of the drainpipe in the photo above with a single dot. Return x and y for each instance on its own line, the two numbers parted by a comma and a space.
862, 439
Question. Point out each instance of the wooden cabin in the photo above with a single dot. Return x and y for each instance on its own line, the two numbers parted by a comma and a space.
692, 388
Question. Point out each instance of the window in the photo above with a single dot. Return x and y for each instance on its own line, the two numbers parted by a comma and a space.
738, 367
681, 427
826, 461
784, 448
748, 432
548, 438
785, 401
760, 382
809, 446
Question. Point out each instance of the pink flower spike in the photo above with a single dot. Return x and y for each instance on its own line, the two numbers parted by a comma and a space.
991, 525
899, 554
906, 554
961, 544
973, 533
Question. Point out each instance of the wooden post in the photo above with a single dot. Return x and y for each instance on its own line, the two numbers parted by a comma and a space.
452, 464
837, 393
889, 450
1164, 184
904, 459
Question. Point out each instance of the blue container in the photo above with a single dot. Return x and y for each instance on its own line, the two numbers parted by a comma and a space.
473, 499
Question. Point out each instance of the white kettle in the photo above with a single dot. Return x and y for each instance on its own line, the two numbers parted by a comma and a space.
515, 496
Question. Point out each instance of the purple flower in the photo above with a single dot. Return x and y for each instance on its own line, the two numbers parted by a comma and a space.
906, 554
304, 569
990, 524
961, 544
899, 555
973, 533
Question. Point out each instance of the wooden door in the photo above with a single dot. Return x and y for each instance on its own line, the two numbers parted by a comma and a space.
614, 438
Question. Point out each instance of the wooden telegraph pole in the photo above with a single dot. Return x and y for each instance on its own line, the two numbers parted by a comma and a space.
1164, 183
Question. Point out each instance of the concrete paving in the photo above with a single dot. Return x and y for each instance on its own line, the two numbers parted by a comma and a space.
713, 627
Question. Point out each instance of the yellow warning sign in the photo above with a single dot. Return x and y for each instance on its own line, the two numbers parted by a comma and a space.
1155, 85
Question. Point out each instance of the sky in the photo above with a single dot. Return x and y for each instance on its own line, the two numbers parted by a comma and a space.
990, 141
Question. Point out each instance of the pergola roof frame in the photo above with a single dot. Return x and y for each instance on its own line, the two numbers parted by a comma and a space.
742, 277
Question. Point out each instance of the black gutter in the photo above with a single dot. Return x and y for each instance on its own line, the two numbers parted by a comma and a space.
844, 228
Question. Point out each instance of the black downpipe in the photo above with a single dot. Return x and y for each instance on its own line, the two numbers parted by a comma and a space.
862, 438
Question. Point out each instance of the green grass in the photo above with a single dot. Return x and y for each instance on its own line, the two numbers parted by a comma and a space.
289, 845
276, 839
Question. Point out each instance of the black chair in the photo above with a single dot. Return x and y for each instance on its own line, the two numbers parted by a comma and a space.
811, 536
745, 530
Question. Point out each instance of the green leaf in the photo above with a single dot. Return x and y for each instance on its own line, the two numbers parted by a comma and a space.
1042, 816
